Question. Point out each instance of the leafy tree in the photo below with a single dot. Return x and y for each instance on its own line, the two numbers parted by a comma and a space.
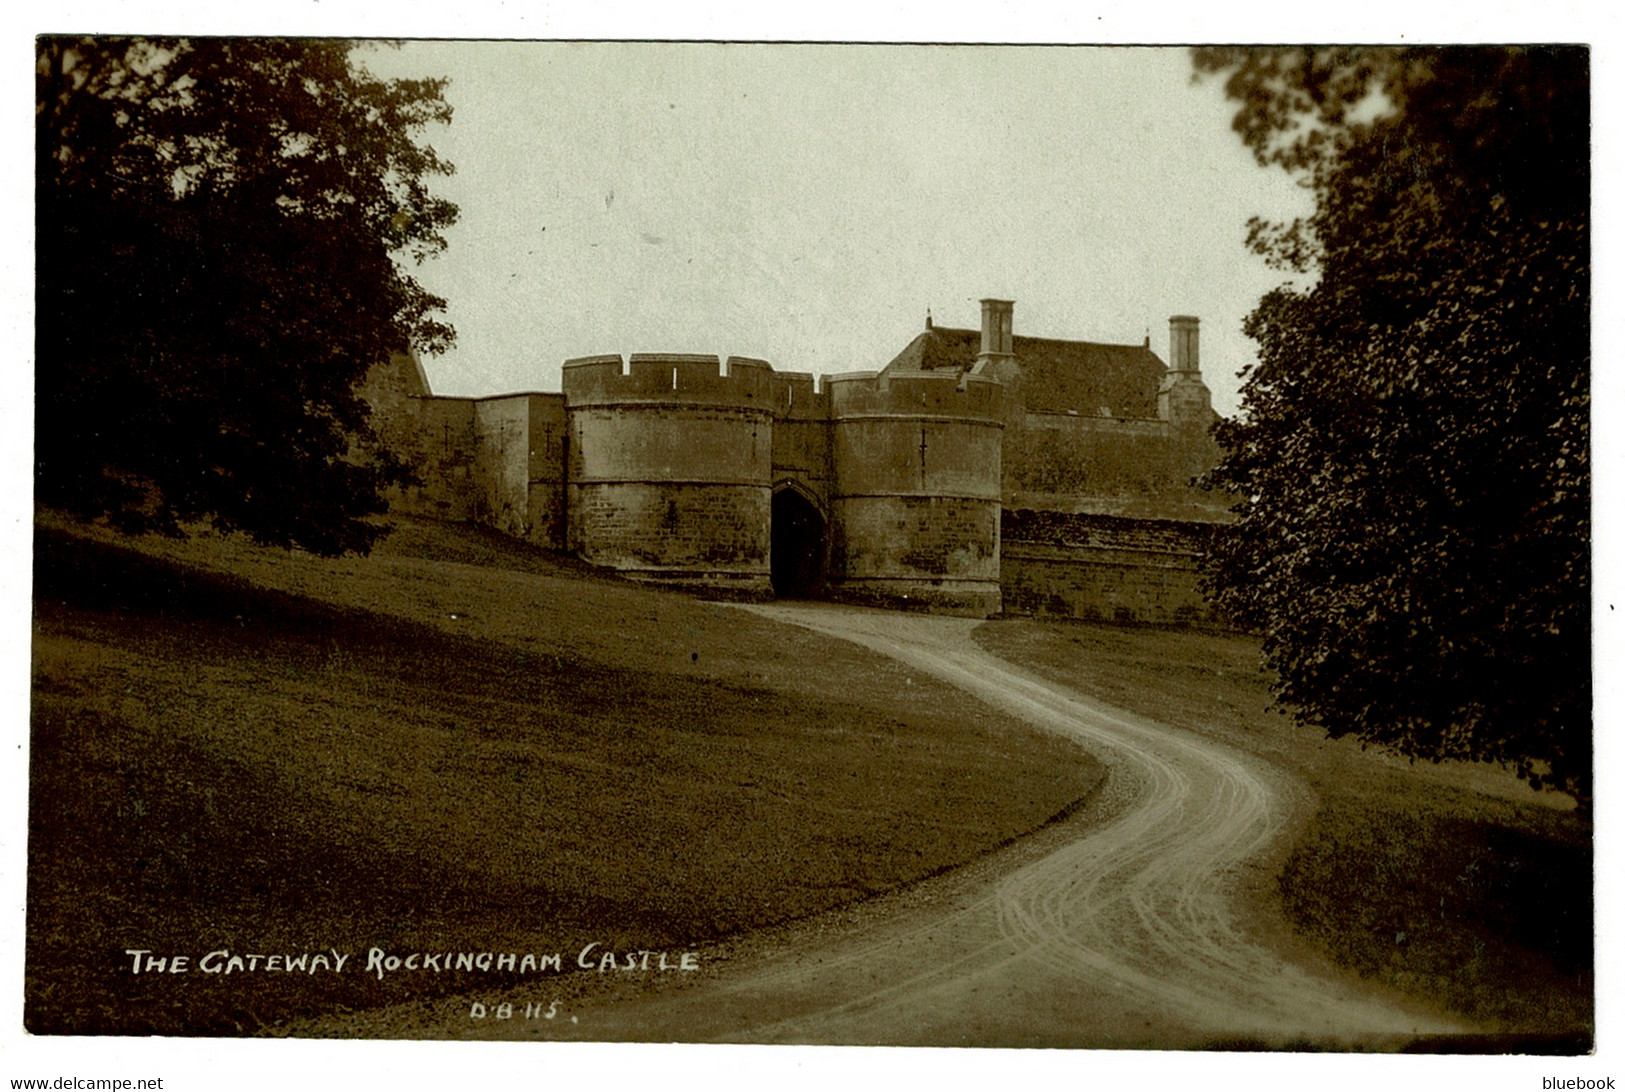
218, 223
1413, 455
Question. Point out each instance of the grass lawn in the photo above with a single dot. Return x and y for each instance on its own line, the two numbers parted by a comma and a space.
1450, 882
459, 743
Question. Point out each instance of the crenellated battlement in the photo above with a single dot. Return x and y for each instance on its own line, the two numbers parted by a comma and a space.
675, 378
797, 397
877, 487
746, 382
915, 394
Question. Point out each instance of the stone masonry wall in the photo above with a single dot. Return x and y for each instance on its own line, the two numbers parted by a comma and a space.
436, 436
1104, 568
502, 464
549, 439
933, 552
1139, 467
712, 533
663, 467
801, 435
915, 510
670, 471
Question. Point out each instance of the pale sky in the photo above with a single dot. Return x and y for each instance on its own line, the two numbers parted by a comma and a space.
806, 203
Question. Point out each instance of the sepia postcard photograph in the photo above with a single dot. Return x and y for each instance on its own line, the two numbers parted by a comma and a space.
1064, 550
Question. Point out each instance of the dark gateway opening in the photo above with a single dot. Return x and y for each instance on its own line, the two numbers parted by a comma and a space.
798, 547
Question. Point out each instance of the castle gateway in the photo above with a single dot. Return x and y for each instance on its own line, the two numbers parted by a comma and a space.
978, 471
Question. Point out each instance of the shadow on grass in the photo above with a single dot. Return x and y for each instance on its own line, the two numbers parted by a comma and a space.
1495, 921
147, 840
219, 765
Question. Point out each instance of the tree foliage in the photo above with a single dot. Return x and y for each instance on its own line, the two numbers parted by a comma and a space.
219, 229
1413, 456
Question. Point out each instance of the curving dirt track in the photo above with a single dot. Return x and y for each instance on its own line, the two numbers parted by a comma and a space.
1123, 935
1116, 928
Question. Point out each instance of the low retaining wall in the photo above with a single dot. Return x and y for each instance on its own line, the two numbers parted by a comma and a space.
1104, 568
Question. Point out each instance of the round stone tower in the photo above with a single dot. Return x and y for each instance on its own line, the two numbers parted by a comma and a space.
670, 467
915, 496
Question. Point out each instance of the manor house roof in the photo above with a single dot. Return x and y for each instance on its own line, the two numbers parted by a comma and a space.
1083, 377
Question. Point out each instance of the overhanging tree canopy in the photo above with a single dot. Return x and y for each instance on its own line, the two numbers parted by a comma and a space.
1413, 455
218, 223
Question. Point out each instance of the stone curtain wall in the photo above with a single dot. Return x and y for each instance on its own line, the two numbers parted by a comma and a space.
434, 436
437, 439
1105, 568
502, 464
548, 439
1145, 467
664, 468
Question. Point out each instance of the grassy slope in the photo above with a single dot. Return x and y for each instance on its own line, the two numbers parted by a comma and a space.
1452, 883
457, 743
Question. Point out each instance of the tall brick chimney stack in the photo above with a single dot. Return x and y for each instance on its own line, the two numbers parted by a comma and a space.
1183, 352
998, 355
1184, 399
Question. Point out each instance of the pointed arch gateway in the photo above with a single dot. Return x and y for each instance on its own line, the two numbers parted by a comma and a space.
800, 543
